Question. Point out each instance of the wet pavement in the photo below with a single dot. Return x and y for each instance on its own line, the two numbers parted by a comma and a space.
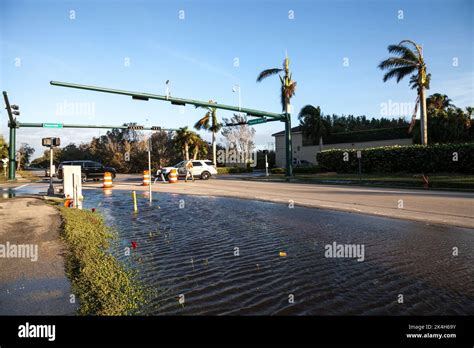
208, 255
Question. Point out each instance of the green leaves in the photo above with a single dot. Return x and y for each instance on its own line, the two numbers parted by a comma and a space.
402, 159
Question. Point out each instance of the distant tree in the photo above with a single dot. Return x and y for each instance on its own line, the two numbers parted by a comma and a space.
25, 151
313, 124
183, 140
241, 137
209, 122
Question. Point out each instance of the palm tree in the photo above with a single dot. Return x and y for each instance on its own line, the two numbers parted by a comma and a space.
438, 102
209, 122
199, 145
288, 86
184, 138
314, 126
407, 62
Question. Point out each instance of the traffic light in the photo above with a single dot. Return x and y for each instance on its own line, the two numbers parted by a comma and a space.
156, 128
51, 142
14, 110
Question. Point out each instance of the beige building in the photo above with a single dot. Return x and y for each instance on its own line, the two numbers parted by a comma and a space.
308, 153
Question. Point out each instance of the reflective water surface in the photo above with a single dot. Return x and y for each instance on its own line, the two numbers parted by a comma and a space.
223, 255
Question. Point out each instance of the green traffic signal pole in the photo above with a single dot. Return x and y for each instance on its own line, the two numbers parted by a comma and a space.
285, 117
12, 124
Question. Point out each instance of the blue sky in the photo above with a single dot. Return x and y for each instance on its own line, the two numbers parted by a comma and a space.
138, 45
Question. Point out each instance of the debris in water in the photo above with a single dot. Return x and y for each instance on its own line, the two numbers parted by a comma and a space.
282, 254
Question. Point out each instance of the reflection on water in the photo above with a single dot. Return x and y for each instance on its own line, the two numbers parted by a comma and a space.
192, 252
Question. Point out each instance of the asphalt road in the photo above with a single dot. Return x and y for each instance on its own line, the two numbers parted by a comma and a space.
437, 207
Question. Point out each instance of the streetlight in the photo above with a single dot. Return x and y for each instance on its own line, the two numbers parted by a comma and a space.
167, 89
236, 88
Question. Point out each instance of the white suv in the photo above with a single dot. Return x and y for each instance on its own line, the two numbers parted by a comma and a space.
203, 169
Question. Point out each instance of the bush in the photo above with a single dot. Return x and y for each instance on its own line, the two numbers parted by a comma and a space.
278, 170
306, 170
410, 159
233, 170
368, 135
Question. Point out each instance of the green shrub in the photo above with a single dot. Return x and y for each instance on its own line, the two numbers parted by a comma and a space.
410, 159
306, 170
233, 170
103, 285
278, 170
368, 135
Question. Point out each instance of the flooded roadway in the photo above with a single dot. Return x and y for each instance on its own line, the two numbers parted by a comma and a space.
222, 256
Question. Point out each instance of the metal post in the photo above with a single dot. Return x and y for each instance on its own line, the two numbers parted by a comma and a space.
149, 168
289, 150
12, 152
266, 165
51, 188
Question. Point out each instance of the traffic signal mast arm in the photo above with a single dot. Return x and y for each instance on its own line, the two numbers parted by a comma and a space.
137, 127
173, 100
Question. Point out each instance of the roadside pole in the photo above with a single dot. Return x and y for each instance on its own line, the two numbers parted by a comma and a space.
359, 156
266, 162
50, 188
149, 168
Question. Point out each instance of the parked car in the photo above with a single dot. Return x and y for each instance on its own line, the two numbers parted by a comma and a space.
203, 169
89, 169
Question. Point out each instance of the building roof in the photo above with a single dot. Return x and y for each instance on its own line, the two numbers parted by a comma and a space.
296, 129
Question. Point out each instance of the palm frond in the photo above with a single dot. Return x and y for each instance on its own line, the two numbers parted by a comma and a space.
403, 51
399, 73
265, 73
395, 62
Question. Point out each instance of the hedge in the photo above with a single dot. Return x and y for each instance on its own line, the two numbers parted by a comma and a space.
278, 170
232, 170
368, 135
438, 158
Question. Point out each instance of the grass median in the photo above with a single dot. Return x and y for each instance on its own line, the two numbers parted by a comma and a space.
103, 285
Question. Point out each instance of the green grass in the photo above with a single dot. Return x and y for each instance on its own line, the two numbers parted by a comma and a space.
103, 285
438, 181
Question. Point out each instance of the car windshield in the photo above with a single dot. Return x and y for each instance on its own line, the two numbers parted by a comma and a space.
180, 164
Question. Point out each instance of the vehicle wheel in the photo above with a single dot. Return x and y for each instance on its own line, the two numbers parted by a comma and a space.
83, 177
113, 175
205, 175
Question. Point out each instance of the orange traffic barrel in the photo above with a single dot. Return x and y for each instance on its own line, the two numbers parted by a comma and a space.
107, 180
173, 176
146, 178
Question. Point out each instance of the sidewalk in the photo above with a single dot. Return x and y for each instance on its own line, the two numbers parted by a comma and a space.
29, 287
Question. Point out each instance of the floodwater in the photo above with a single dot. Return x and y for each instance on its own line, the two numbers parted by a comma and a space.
222, 256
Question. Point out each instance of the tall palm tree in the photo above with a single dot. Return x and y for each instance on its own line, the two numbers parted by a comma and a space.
288, 86
209, 122
184, 138
314, 126
406, 62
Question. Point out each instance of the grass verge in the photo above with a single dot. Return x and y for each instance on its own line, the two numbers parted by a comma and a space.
103, 285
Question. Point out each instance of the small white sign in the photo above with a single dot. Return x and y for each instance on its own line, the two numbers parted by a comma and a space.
359, 154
